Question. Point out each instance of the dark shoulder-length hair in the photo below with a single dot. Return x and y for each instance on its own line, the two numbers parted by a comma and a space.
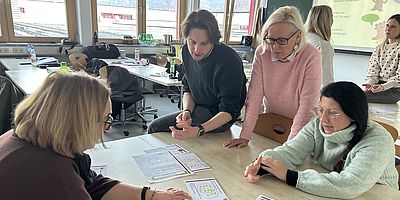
353, 102
204, 20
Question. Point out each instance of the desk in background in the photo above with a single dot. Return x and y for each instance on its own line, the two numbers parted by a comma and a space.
227, 165
27, 80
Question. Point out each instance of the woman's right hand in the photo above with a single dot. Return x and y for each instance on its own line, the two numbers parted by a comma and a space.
184, 119
239, 142
171, 194
367, 86
251, 171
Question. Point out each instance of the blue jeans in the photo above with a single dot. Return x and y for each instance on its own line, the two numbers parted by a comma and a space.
200, 115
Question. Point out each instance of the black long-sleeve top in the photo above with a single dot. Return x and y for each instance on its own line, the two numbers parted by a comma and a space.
216, 82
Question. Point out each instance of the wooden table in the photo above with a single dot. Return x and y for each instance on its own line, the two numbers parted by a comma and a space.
227, 166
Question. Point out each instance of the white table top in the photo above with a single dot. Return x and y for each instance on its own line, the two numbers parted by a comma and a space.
27, 80
151, 72
227, 166
12, 64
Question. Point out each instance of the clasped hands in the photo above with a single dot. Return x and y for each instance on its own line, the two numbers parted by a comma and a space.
184, 121
275, 167
373, 88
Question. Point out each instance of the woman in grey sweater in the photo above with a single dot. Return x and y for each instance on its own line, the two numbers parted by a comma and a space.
358, 152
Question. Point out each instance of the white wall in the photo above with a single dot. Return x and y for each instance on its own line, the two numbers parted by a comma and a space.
350, 67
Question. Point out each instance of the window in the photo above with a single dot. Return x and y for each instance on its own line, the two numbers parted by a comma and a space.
241, 20
235, 17
162, 18
116, 18
217, 8
33, 21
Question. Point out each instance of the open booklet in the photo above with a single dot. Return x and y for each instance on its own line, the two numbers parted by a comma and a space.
168, 162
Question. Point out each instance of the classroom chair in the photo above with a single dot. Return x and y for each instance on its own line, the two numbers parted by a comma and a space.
78, 60
273, 126
125, 91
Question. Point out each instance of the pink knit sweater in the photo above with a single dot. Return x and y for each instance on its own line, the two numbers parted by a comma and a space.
289, 89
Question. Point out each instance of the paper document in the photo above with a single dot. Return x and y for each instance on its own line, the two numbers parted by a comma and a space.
192, 162
175, 149
208, 189
100, 169
160, 166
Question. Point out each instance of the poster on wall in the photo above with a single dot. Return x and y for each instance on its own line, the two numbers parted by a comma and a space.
359, 25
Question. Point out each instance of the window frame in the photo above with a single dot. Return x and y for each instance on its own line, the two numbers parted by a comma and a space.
229, 8
141, 21
7, 25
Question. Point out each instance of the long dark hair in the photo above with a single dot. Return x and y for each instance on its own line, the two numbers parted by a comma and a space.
353, 101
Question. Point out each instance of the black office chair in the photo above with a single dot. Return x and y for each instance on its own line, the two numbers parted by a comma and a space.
125, 92
10, 96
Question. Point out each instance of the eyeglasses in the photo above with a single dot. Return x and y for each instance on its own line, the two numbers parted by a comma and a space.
280, 41
328, 113
108, 122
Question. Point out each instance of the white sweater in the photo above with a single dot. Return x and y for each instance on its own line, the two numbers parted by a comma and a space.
326, 50
384, 66
369, 162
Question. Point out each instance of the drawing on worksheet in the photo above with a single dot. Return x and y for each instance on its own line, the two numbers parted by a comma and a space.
262, 197
205, 189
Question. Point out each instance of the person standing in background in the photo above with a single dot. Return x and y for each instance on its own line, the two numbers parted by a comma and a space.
382, 82
318, 25
286, 75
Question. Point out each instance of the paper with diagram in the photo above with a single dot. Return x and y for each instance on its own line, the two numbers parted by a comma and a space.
207, 189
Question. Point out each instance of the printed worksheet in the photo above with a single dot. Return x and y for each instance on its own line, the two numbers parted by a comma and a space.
160, 166
205, 189
175, 149
100, 169
262, 197
192, 162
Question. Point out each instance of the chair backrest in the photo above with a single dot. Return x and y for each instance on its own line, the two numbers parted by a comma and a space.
273, 126
78, 60
392, 130
161, 60
124, 86
177, 60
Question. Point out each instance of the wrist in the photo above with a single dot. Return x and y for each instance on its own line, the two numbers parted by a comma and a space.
201, 130
188, 110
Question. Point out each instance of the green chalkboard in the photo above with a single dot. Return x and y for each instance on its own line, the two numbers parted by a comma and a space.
303, 5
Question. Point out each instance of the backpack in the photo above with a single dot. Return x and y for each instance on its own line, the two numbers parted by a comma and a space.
102, 50
94, 65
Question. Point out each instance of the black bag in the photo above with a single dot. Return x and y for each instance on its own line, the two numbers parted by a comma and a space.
102, 50
94, 65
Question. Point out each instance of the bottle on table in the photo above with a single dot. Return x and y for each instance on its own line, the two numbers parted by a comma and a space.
31, 52
64, 67
172, 69
137, 55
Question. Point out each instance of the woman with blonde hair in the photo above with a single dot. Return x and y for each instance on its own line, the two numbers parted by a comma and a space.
382, 82
286, 75
43, 157
318, 25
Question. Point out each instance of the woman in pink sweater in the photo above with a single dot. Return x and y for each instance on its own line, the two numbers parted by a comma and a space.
286, 75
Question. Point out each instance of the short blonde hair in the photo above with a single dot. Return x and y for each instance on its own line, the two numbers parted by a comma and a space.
63, 114
286, 14
319, 21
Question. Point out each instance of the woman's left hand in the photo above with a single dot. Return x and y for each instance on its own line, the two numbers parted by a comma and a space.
274, 167
377, 88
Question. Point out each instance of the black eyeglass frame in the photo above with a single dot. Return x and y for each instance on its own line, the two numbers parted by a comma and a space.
280, 41
108, 122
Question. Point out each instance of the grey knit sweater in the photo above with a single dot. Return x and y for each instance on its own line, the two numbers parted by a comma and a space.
370, 161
